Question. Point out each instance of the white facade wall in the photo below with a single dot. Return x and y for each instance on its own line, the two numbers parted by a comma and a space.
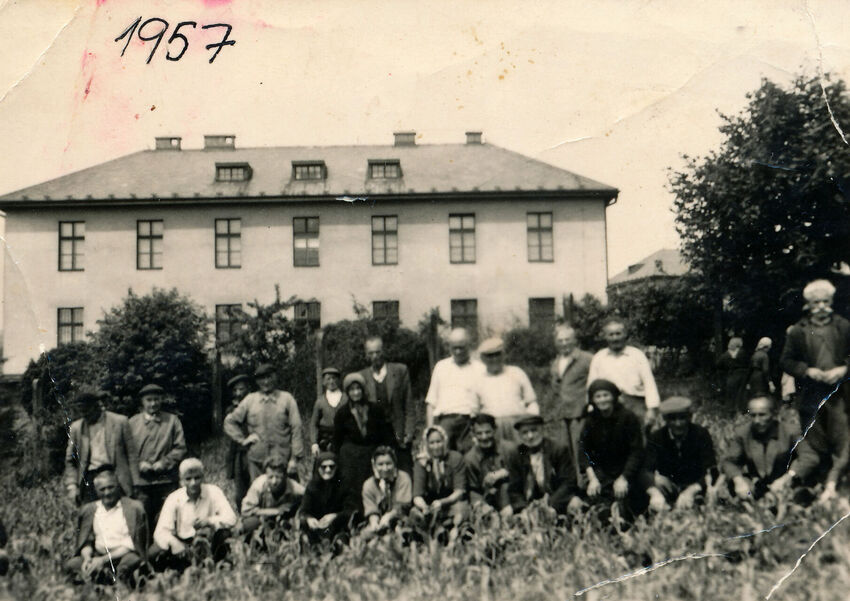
502, 279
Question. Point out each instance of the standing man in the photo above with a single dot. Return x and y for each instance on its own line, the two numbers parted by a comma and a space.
237, 466
97, 439
568, 374
504, 390
159, 438
628, 368
272, 422
817, 351
388, 385
452, 398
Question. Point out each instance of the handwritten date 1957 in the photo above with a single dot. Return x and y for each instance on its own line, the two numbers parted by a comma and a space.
145, 33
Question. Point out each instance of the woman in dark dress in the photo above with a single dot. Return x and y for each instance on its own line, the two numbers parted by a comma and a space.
733, 369
359, 428
759, 381
324, 411
325, 510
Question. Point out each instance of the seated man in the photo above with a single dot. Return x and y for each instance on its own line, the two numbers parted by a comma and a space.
760, 452
612, 451
112, 534
540, 468
325, 510
486, 470
679, 458
272, 497
439, 484
387, 495
194, 515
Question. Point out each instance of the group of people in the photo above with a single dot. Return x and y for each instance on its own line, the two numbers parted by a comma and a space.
610, 445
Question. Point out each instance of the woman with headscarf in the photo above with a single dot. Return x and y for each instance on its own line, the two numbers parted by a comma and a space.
612, 450
324, 411
324, 509
733, 368
759, 383
439, 482
387, 495
359, 428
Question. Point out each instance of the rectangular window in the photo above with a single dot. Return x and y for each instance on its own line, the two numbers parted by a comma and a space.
232, 172
541, 313
385, 240
302, 170
149, 244
385, 310
72, 238
309, 312
228, 243
69, 322
227, 322
462, 238
305, 241
540, 237
384, 170
465, 315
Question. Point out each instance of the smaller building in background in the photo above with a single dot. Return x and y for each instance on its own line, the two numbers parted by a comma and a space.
664, 264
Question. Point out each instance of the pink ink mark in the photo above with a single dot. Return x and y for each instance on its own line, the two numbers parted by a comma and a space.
88, 88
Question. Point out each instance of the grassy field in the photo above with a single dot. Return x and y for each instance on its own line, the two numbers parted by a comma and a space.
723, 551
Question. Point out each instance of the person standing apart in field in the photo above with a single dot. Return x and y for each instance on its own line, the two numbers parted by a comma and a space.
505, 391
237, 466
760, 383
628, 368
388, 385
272, 422
159, 437
733, 369
568, 375
452, 398
817, 352
97, 439
324, 411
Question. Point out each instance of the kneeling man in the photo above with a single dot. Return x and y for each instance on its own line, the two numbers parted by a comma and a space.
486, 471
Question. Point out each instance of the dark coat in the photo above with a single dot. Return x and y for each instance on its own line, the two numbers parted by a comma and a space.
120, 448
399, 409
570, 388
137, 524
559, 476
612, 446
763, 459
322, 497
684, 464
800, 353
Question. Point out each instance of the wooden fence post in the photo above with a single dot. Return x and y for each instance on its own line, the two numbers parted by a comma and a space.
217, 394
320, 360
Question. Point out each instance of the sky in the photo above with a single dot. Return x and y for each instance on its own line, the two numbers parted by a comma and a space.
617, 91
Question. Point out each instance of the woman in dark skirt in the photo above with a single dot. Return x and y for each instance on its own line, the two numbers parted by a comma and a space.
359, 428
324, 411
325, 510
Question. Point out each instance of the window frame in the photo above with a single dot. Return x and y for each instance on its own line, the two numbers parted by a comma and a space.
550, 319
384, 235
77, 242
313, 323
150, 237
462, 233
461, 319
227, 237
306, 235
373, 164
535, 236
247, 172
384, 305
228, 310
323, 170
73, 324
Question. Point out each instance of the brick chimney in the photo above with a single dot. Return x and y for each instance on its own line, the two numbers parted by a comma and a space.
168, 143
219, 142
405, 138
473, 137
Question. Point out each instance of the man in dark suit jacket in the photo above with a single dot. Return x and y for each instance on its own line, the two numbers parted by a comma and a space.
388, 385
540, 468
119, 545
98, 438
568, 375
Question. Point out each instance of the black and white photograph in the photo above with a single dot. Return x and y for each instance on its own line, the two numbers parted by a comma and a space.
446, 301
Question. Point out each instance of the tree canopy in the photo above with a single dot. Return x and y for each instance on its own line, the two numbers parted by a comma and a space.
769, 210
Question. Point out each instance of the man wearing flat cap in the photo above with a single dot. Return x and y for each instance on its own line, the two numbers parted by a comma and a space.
388, 385
272, 422
324, 411
98, 438
504, 390
159, 437
679, 458
540, 469
236, 463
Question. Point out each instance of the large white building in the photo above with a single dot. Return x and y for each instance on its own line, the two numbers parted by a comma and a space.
491, 237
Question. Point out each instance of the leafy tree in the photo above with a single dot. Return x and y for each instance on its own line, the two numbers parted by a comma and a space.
587, 317
769, 210
162, 338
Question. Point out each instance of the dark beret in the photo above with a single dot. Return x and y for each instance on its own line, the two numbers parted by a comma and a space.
151, 389
263, 370
87, 398
600, 384
331, 370
236, 379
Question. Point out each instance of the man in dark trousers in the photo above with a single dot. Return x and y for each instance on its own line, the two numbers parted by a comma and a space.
96, 439
388, 385
237, 465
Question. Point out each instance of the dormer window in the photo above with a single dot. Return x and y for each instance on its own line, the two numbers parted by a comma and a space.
232, 172
384, 169
309, 170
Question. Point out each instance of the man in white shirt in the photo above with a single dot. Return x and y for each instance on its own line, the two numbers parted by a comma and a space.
628, 368
195, 512
112, 535
505, 390
452, 398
